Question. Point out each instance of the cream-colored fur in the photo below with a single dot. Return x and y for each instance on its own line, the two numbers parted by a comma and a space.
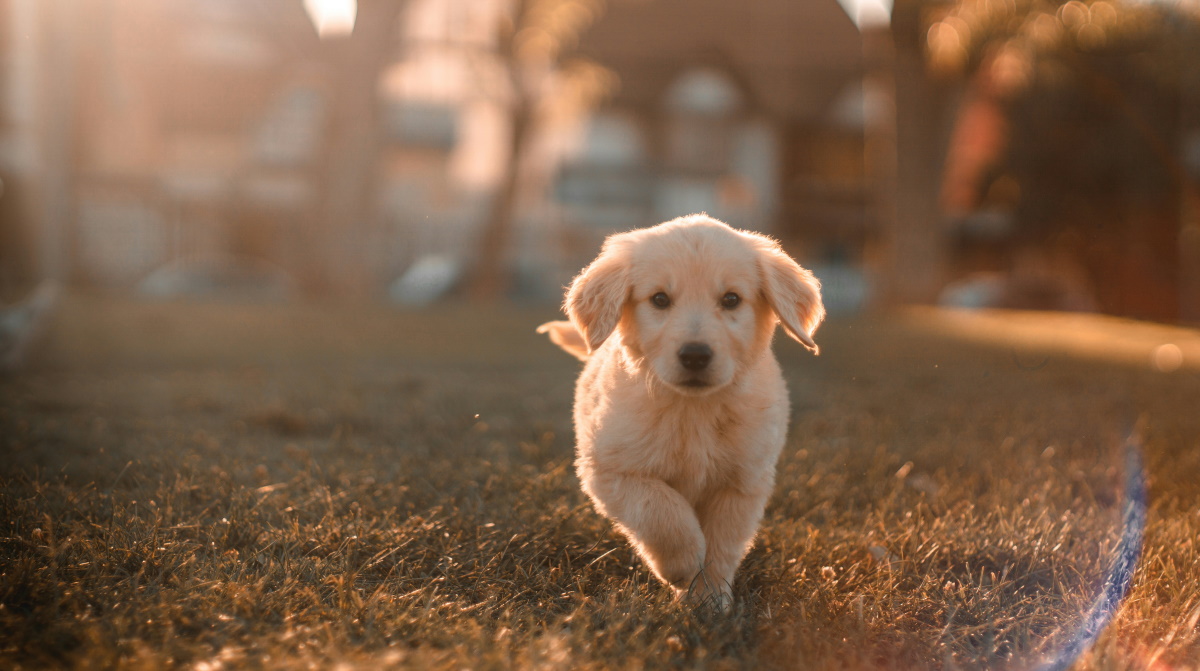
683, 460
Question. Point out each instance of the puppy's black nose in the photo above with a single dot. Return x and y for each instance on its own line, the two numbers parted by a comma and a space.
695, 356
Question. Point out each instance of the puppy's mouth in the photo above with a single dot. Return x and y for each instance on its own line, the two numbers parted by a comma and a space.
690, 382
695, 383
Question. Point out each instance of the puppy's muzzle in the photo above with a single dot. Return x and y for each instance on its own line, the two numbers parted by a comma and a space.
695, 356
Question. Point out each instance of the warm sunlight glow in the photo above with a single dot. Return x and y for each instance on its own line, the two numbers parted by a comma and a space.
868, 13
332, 18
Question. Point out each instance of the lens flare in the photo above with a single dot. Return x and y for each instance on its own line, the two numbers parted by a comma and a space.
1120, 573
1167, 358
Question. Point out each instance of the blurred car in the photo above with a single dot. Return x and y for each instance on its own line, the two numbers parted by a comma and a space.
221, 277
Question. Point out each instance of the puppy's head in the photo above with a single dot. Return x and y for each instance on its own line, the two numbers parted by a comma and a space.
694, 301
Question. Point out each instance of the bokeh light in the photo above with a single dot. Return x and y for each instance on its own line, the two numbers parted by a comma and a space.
332, 18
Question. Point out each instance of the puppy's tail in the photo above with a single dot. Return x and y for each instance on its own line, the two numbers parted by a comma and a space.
563, 334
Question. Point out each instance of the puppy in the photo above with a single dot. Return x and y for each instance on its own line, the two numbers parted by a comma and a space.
681, 410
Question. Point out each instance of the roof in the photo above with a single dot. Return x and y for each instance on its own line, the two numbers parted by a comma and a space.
791, 56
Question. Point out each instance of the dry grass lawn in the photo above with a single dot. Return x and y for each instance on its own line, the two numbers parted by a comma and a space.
223, 486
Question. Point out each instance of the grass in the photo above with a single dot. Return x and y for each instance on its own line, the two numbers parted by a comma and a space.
211, 486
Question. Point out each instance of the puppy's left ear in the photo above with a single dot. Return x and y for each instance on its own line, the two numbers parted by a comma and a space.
792, 291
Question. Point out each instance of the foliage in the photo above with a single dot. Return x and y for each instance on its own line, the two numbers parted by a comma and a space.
1098, 92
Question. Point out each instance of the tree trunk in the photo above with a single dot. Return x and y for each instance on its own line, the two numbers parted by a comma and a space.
57, 135
492, 278
342, 231
914, 237
1189, 224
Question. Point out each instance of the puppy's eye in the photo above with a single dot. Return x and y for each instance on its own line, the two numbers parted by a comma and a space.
661, 301
730, 300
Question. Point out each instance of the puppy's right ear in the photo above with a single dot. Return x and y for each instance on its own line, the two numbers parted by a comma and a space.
597, 295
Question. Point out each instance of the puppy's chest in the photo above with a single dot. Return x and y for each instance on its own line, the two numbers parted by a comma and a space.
698, 452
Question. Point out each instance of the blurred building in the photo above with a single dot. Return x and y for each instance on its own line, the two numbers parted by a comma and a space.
149, 134
751, 114
204, 145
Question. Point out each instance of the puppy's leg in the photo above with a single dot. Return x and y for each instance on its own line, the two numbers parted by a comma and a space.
658, 521
729, 520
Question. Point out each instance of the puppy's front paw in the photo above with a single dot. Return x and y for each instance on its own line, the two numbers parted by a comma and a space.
706, 592
721, 602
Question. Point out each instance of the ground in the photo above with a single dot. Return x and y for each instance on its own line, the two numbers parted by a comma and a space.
227, 486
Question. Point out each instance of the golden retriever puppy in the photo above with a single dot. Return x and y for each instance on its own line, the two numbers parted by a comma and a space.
681, 410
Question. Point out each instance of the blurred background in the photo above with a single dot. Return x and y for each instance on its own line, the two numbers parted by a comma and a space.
1009, 153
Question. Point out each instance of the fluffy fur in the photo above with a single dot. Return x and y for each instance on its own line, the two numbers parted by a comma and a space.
682, 458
